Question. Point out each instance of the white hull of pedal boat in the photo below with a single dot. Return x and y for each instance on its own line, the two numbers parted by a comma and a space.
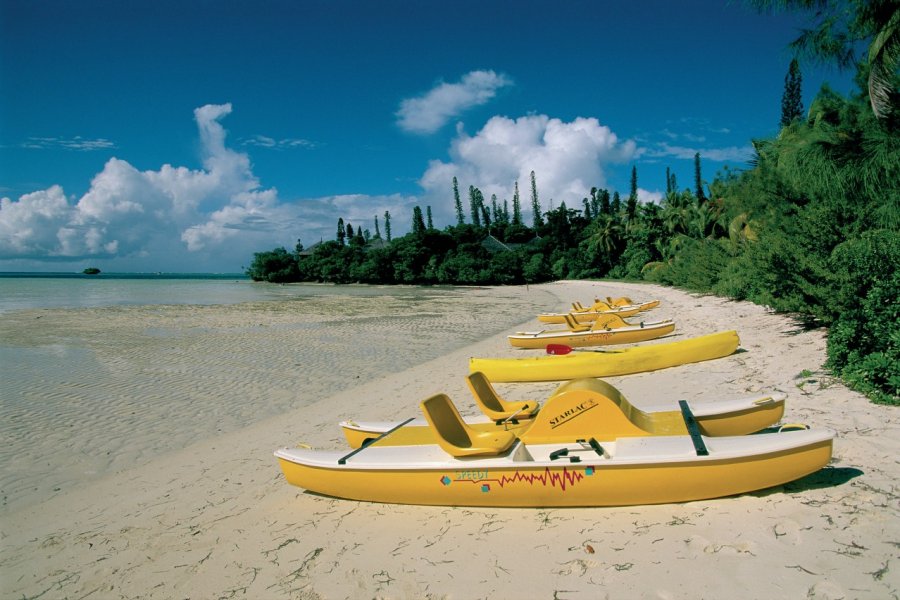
626, 471
627, 334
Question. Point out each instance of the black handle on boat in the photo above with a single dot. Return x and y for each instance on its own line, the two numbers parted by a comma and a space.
343, 459
596, 446
558, 453
512, 418
693, 429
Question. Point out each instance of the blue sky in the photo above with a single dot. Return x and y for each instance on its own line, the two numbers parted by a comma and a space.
184, 136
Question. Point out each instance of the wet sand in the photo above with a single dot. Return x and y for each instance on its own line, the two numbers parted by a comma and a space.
211, 517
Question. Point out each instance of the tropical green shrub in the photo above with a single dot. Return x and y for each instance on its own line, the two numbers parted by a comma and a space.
864, 341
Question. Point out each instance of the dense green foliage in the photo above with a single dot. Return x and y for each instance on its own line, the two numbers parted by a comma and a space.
813, 228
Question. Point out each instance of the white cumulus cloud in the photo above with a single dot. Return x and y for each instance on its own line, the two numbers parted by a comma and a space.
431, 111
568, 158
135, 214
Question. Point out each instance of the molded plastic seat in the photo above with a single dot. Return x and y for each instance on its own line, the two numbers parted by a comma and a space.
458, 439
620, 301
607, 322
492, 405
574, 325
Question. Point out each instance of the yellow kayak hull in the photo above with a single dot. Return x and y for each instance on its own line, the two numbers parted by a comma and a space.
538, 340
633, 471
581, 409
607, 363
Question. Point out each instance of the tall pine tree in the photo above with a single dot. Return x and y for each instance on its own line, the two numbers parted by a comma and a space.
474, 207
418, 224
698, 180
517, 207
791, 99
631, 206
460, 219
535, 204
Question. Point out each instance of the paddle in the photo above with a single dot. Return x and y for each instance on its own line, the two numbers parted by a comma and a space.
560, 349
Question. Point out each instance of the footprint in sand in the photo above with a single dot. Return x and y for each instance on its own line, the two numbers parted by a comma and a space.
698, 545
825, 590
788, 532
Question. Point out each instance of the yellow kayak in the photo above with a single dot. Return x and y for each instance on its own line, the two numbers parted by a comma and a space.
580, 409
608, 363
606, 330
497, 469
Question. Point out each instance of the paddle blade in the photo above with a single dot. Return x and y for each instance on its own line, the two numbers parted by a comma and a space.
558, 349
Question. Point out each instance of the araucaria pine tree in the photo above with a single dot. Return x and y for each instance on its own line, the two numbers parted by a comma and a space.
517, 207
418, 224
631, 206
474, 208
792, 100
535, 204
459, 211
428, 220
387, 225
341, 232
377, 231
698, 180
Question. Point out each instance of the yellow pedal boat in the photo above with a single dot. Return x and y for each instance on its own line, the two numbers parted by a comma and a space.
606, 330
623, 307
621, 301
608, 362
612, 304
496, 469
589, 315
579, 409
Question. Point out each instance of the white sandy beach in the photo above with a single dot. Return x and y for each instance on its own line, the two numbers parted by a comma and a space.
194, 505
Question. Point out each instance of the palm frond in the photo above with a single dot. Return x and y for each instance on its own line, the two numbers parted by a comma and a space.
884, 57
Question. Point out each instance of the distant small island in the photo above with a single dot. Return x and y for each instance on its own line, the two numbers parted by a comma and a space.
91, 271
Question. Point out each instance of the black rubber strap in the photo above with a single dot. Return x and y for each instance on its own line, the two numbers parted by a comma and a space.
693, 428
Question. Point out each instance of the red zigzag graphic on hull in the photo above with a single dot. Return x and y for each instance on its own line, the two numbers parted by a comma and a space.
561, 479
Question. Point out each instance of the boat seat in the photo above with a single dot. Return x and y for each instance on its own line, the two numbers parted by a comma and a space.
607, 322
492, 405
600, 306
574, 325
458, 439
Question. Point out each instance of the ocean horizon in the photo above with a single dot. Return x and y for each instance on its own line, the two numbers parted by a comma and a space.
24, 291
117, 275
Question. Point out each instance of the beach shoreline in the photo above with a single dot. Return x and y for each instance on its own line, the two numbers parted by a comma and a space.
215, 518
